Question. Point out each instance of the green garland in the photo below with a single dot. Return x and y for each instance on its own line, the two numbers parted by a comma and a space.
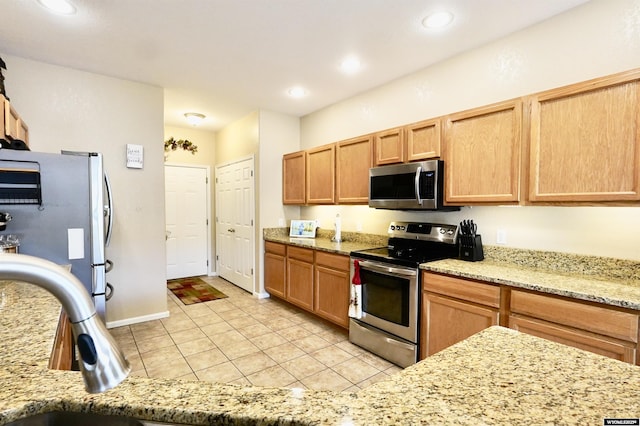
172, 144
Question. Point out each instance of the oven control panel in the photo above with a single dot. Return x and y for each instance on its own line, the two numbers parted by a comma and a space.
424, 231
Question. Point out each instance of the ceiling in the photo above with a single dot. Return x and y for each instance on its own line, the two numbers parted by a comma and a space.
227, 58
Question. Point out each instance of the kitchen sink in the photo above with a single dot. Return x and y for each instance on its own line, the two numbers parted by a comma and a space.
66, 418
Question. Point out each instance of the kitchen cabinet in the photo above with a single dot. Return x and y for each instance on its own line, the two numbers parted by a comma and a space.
293, 178
320, 175
584, 141
454, 309
482, 150
63, 345
275, 268
423, 140
605, 331
354, 158
389, 146
332, 287
12, 123
299, 285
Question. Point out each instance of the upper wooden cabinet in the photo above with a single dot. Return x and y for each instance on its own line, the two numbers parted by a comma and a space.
293, 178
390, 146
585, 141
423, 140
482, 154
11, 123
321, 174
353, 160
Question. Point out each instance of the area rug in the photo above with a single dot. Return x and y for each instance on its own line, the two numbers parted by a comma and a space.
194, 290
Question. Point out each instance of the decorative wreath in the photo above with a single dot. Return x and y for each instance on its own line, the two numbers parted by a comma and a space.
172, 144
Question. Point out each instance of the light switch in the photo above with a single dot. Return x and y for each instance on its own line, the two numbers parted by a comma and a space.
75, 239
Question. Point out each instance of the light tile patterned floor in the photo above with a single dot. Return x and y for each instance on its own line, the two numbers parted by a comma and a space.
249, 341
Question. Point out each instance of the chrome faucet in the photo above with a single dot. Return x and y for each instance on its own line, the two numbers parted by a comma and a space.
102, 363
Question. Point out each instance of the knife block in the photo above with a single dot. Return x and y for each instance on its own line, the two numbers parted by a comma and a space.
471, 248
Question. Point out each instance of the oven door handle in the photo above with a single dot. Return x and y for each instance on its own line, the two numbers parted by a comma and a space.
388, 269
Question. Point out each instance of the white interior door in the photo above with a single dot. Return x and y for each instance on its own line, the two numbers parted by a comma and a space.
235, 223
186, 200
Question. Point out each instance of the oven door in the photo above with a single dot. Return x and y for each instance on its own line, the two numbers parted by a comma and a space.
390, 298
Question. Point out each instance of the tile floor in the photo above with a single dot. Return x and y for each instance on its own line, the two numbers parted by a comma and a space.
248, 341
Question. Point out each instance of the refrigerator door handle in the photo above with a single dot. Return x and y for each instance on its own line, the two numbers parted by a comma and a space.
108, 211
109, 292
108, 266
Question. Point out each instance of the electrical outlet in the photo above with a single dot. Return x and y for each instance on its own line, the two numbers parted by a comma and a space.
358, 226
501, 236
281, 222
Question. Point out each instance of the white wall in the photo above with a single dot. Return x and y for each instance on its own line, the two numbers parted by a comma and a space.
279, 134
599, 38
75, 110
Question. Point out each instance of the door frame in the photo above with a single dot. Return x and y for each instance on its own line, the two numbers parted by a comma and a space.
251, 157
211, 225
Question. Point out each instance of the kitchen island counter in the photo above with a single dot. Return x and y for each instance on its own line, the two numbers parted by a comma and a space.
497, 377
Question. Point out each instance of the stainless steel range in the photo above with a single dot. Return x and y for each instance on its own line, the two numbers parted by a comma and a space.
387, 321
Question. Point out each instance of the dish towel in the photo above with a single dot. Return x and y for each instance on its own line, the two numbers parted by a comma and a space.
355, 303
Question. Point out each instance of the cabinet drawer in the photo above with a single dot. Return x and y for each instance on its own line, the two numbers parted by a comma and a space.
472, 291
601, 320
622, 351
304, 254
334, 261
275, 248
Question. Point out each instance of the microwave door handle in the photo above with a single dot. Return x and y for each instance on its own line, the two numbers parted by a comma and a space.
417, 184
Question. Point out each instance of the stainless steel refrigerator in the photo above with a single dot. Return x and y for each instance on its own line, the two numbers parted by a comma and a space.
61, 210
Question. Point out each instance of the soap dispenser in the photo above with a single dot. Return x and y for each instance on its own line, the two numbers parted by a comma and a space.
337, 225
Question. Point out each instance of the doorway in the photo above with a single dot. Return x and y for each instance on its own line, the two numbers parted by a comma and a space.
187, 220
235, 227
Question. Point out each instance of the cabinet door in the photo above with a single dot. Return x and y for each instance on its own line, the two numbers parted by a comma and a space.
332, 287
622, 351
482, 155
585, 141
423, 140
293, 178
11, 120
332, 295
389, 147
275, 269
448, 321
354, 158
299, 288
321, 175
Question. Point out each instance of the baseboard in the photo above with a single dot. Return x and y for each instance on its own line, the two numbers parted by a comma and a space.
261, 295
136, 320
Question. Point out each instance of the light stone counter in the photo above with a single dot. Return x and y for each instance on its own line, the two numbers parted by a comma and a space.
351, 241
610, 281
497, 377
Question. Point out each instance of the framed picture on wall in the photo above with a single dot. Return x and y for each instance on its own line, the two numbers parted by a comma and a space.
303, 229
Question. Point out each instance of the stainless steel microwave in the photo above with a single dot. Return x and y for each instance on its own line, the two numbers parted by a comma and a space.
410, 186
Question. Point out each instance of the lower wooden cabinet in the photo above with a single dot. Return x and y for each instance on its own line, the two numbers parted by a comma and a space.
459, 309
275, 268
313, 280
300, 277
622, 351
600, 329
332, 288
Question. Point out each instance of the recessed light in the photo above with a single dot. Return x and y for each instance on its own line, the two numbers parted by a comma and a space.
297, 92
194, 118
438, 20
351, 65
61, 7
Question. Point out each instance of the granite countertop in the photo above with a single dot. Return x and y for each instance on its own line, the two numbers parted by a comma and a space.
610, 281
496, 377
351, 241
